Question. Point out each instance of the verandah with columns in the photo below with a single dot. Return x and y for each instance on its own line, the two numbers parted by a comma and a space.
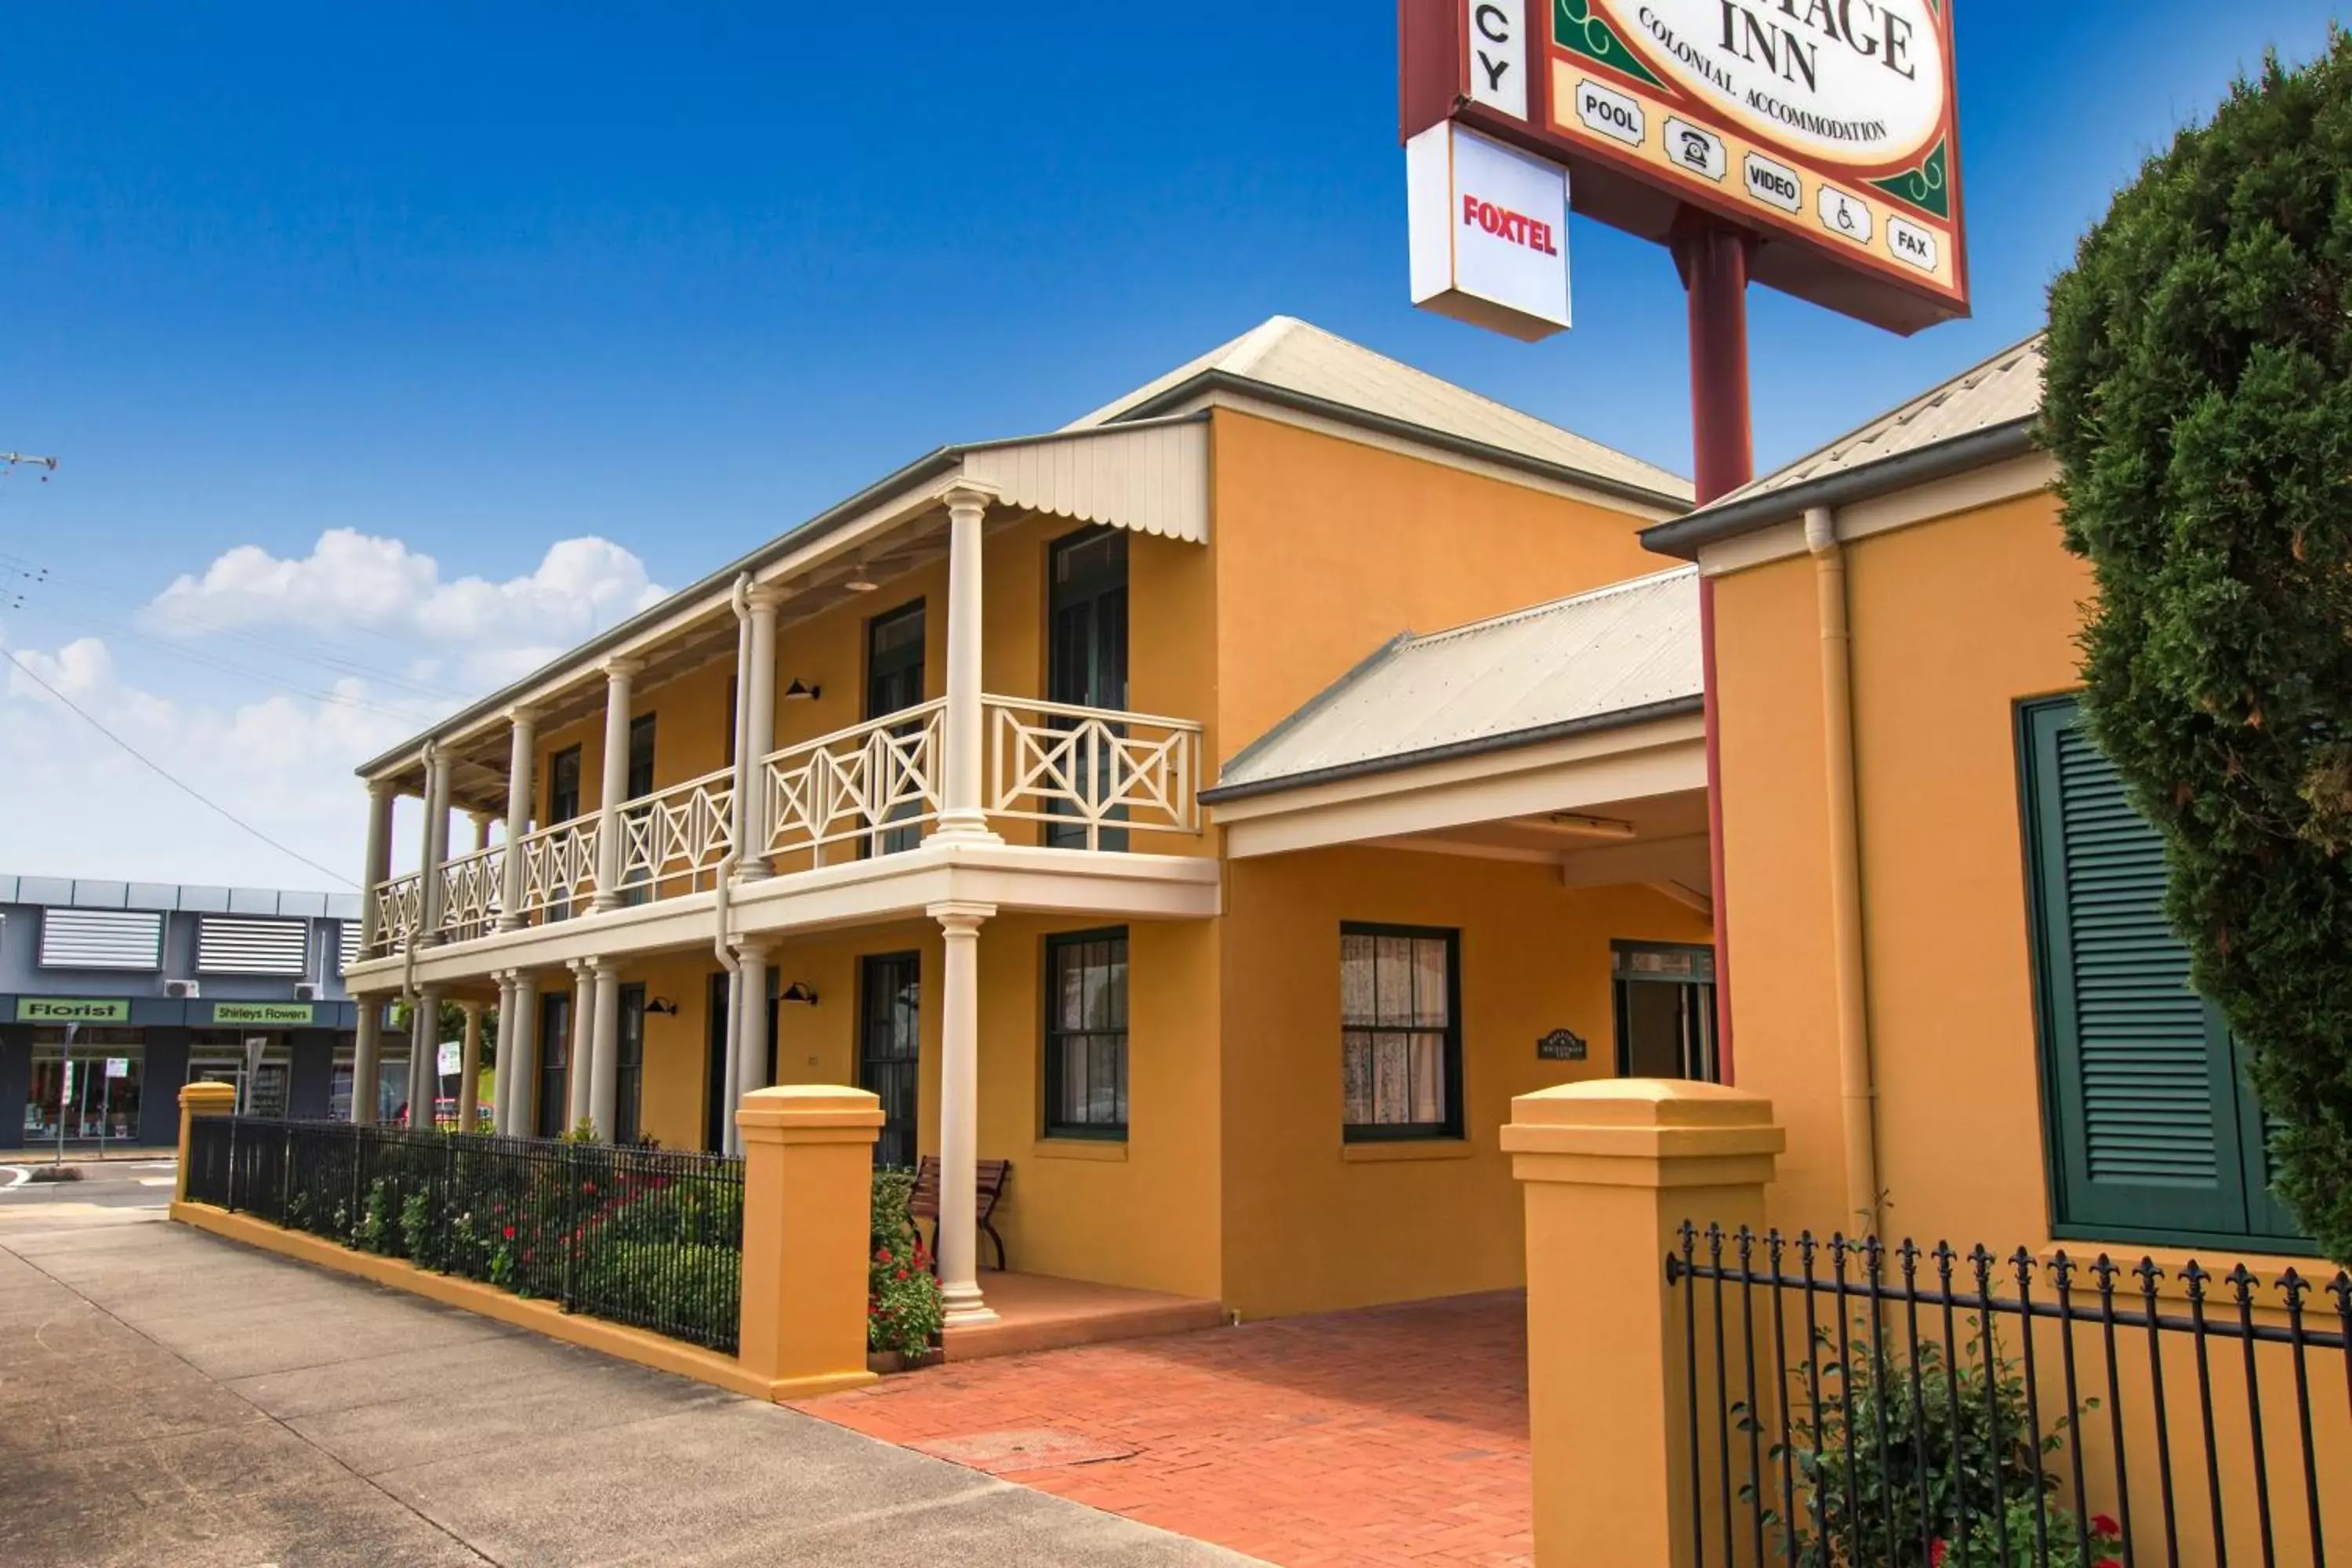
572, 905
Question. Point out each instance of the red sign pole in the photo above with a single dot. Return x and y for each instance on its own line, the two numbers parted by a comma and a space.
1713, 259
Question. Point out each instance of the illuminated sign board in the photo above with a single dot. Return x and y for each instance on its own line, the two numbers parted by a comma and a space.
1825, 127
1489, 233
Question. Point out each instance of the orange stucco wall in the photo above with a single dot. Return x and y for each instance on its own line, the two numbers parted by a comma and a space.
1327, 548
1312, 1223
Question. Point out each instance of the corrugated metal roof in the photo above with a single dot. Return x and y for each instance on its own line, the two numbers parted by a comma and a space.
1296, 357
2004, 388
1577, 662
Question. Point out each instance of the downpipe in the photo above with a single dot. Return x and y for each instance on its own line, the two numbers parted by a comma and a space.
1857, 1079
730, 1138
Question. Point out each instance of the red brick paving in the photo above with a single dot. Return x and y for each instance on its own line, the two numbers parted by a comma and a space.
1394, 1435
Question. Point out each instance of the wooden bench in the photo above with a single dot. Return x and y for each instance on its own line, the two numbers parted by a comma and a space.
925, 1201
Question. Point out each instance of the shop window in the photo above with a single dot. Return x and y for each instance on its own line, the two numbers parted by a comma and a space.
2153, 1133
1400, 1032
1664, 1003
1086, 1035
87, 1090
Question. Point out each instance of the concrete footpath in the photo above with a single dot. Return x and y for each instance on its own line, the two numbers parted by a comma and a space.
166, 1396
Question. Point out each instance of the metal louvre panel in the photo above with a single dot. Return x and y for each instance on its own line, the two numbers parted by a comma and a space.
347, 947
102, 938
227, 944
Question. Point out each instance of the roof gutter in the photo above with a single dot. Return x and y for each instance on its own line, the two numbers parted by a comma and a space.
1684, 537
1160, 403
1623, 718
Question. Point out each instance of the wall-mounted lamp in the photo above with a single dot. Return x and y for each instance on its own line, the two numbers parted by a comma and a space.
797, 692
797, 992
662, 1005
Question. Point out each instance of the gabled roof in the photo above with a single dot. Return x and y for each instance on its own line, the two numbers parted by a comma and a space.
1613, 656
1984, 414
1291, 360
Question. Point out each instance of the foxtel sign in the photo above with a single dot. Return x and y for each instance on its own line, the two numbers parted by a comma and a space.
1489, 233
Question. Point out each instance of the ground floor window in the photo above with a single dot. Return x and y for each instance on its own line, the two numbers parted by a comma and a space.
628, 1104
2153, 1133
1400, 1032
555, 1056
1664, 1001
90, 1090
1086, 1035
890, 1048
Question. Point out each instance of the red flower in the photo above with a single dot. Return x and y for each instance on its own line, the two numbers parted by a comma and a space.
902, 1274
2102, 1525
1936, 1550
882, 1255
2107, 1563
509, 1233
588, 1187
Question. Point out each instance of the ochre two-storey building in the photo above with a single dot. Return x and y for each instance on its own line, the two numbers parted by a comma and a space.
1080, 796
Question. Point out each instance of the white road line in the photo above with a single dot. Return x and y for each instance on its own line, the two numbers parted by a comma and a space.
20, 1174
159, 1180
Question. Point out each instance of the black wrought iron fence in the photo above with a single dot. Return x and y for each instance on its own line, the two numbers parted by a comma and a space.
646, 1237
1853, 1404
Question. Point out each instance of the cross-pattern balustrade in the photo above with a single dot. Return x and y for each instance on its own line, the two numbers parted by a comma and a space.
680, 836
559, 865
470, 894
1048, 761
399, 911
871, 778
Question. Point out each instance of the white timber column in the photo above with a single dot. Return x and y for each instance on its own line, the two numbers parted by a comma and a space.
367, 1051
605, 1080
522, 1081
584, 1041
756, 686
367, 1046
521, 749
729, 1142
962, 816
752, 1021
502, 1063
481, 821
378, 870
424, 1057
470, 1063
618, 675
958, 1249
435, 847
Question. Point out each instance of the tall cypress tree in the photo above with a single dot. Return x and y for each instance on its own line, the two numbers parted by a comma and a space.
2199, 406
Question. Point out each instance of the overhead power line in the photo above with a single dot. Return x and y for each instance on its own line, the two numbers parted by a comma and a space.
165, 775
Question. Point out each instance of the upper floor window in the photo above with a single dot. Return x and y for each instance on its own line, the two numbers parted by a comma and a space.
563, 786
2153, 1133
1085, 667
1086, 1035
641, 756
1400, 1032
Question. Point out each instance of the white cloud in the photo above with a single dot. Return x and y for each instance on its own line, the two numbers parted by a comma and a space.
78, 806
360, 590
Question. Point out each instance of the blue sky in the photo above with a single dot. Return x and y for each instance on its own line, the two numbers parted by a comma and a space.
482, 278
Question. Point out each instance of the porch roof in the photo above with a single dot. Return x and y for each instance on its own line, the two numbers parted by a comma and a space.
1617, 655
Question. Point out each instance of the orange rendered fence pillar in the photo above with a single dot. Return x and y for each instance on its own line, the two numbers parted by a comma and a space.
1611, 1169
808, 1183
198, 1100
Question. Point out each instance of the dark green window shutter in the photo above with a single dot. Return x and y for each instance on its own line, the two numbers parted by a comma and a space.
2149, 1133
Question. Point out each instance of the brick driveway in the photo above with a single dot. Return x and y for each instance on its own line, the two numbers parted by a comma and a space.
1396, 1434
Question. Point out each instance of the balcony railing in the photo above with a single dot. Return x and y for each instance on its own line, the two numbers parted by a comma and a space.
399, 911
875, 777
559, 867
1091, 768
1092, 776
681, 835
470, 894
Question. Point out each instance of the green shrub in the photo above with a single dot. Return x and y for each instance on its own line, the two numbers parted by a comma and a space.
903, 1312
2199, 406
1857, 1512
